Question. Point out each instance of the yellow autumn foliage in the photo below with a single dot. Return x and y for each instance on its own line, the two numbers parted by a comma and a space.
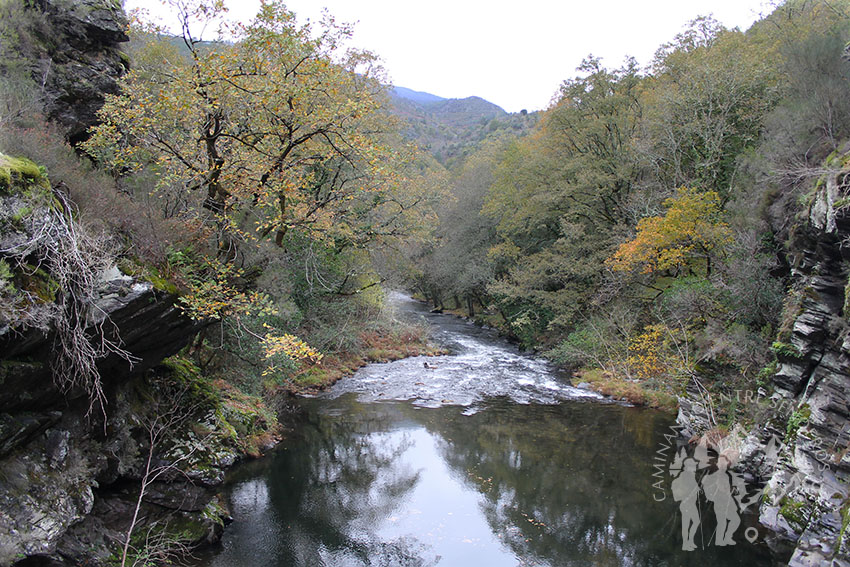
289, 346
691, 229
659, 352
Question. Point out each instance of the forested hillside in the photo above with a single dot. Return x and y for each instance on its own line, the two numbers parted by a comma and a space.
194, 227
451, 129
640, 232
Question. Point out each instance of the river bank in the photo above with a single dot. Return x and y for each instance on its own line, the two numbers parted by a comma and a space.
635, 392
399, 339
485, 454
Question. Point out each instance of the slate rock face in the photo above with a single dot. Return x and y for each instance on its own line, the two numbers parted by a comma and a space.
806, 503
75, 59
808, 496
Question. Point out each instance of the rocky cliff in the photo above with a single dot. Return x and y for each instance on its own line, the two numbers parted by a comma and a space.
807, 495
74, 466
71, 51
141, 433
804, 408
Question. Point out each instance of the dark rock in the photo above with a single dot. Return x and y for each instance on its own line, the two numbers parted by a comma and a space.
40, 561
56, 447
181, 496
18, 430
147, 323
78, 61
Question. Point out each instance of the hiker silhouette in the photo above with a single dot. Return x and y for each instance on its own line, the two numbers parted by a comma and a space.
725, 490
685, 490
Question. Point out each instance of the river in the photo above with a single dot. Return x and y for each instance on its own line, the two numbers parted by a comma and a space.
483, 457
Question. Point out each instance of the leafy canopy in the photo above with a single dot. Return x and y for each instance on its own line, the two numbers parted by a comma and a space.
691, 228
274, 129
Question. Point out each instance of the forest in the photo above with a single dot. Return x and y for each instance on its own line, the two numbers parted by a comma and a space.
639, 233
634, 231
646, 233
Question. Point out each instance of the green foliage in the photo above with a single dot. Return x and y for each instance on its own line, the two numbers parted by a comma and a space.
709, 93
796, 420
5, 272
576, 349
786, 350
583, 245
134, 267
765, 375
813, 116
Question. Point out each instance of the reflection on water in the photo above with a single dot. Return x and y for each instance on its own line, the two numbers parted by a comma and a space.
386, 484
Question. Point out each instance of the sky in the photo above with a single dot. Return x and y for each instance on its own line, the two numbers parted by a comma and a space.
514, 54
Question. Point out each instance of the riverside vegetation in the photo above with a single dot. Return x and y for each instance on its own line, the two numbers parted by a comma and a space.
640, 233
667, 233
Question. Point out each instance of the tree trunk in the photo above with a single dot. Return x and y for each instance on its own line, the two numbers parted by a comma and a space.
435, 298
281, 232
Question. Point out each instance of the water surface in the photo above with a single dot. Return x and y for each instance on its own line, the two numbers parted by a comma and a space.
413, 466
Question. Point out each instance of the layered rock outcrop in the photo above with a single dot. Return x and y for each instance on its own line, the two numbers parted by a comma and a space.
70, 474
72, 52
805, 410
57, 450
808, 496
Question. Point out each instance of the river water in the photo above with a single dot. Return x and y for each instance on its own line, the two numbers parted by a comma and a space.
485, 457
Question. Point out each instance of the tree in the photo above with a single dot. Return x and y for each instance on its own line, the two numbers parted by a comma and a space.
271, 128
813, 118
562, 197
706, 101
272, 133
690, 230
456, 263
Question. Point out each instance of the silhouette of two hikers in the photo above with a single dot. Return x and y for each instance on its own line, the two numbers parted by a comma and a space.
724, 488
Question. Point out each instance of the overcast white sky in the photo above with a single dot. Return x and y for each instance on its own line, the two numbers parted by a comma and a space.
514, 55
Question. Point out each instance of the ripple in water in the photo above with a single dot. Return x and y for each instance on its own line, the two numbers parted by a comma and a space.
482, 365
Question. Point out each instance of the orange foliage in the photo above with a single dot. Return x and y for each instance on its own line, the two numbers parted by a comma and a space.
690, 229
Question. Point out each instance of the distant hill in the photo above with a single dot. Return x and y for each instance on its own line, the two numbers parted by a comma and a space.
451, 128
416, 96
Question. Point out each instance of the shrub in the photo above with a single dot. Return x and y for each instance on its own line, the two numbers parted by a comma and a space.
139, 229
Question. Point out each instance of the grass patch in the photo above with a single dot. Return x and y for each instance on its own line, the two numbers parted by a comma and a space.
632, 391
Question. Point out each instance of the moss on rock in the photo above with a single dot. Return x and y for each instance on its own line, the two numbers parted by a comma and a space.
796, 513
187, 375
20, 174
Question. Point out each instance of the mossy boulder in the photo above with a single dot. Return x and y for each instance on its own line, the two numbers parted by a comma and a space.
19, 175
